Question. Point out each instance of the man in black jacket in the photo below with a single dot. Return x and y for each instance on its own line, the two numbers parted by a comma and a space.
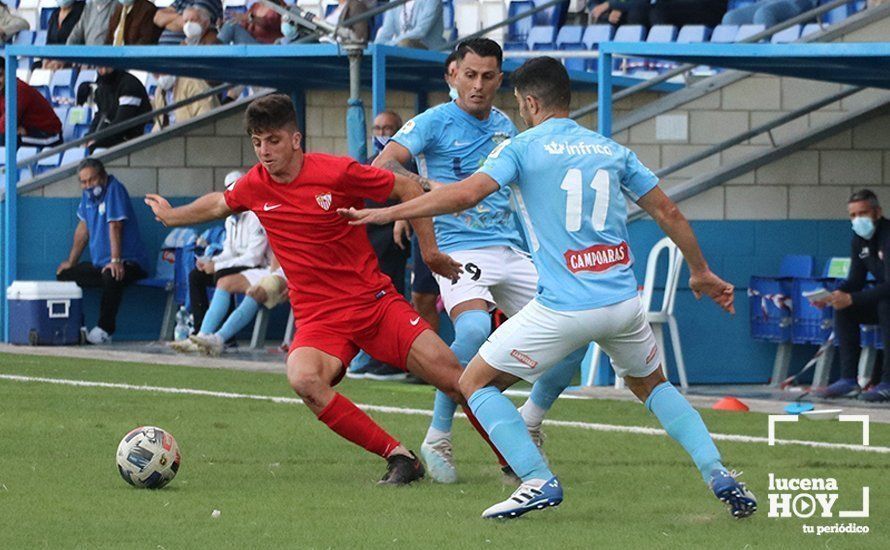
854, 304
119, 97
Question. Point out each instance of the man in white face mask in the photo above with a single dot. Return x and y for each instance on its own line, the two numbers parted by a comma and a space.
855, 304
172, 20
197, 27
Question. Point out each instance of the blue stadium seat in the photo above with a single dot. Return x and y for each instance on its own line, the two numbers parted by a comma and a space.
837, 14
45, 15
724, 34
24, 38
595, 34
542, 38
2, 156
629, 33
785, 36
517, 32
693, 34
24, 153
62, 112
554, 15
61, 85
40, 38
175, 261
569, 38
749, 30
73, 156
662, 33
447, 17
85, 75
48, 163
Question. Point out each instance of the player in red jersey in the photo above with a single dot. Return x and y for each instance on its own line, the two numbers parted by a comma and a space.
341, 300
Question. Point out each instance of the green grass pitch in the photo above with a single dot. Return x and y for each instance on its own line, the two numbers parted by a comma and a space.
281, 479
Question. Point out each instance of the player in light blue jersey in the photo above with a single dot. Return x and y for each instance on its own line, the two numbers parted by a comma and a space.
572, 183
451, 141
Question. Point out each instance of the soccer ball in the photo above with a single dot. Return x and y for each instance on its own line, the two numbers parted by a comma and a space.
148, 457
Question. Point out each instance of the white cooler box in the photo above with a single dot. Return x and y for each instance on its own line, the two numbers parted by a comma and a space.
45, 313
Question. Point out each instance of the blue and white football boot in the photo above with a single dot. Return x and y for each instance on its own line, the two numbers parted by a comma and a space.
735, 494
532, 495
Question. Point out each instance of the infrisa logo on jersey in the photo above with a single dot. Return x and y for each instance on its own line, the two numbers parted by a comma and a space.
598, 258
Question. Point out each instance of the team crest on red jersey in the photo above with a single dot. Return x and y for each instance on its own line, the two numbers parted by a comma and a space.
324, 200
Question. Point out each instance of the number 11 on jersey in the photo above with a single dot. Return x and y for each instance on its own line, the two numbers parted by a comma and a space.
572, 184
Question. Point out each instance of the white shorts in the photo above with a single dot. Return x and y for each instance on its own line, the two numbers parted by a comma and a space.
499, 275
536, 338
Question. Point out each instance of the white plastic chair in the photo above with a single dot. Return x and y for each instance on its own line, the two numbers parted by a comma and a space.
657, 318
665, 314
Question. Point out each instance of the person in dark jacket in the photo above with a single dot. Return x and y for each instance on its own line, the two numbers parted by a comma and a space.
62, 21
119, 97
137, 27
38, 124
855, 305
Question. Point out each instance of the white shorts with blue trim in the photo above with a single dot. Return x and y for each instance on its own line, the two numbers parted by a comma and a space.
536, 338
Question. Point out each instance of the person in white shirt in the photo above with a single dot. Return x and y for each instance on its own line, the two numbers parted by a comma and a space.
241, 265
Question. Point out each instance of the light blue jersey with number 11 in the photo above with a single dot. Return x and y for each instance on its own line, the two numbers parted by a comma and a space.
569, 184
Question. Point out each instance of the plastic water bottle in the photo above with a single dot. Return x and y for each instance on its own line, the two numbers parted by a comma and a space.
181, 331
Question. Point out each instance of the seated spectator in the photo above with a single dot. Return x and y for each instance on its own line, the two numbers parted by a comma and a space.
234, 270
768, 12
108, 224
417, 24
10, 24
63, 20
172, 89
268, 290
132, 24
687, 12
119, 96
260, 25
172, 21
198, 27
38, 124
347, 9
855, 305
620, 12
92, 27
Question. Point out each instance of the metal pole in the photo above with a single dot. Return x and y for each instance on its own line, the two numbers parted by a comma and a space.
378, 79
604, 94
10, 208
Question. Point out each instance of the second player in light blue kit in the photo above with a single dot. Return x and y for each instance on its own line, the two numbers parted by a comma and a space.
450, 142
571, 185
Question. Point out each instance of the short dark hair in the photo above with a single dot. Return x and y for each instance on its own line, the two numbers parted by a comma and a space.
452, 57
94, 163
865, 195
483, 47
545, 79
268, 113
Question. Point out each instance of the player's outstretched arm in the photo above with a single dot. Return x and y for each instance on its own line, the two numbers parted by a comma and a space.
444, 199
211, 206
702, 280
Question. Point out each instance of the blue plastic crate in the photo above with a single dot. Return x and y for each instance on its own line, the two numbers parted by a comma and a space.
770, 308
810, 324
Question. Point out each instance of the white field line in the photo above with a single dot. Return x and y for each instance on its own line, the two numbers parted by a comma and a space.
639, 430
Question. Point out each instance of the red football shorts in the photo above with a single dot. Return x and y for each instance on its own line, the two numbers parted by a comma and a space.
385, 329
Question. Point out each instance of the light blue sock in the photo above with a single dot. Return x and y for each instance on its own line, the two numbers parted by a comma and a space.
550, 386
240, 318
507, 431
471, 328
684, 424
219, 305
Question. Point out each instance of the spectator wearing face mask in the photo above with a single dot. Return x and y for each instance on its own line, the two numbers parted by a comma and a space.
119, 97
855, 305
172, 89
197, 27
172, 19
260, 25
132, 24
414, 24
10, 24
63, 20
